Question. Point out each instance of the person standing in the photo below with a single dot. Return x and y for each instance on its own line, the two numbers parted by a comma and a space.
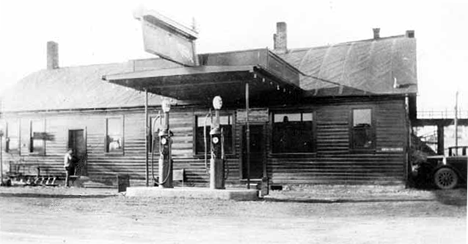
69, 165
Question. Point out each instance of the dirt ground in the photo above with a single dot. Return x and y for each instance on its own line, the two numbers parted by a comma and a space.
320, 214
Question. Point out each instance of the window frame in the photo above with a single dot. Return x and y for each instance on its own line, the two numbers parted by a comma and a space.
314, 132
106, 146
373, 135
31, 138
7, 137
233, 132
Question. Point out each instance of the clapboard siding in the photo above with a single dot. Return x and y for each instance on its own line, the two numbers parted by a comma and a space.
104, 165
332, 162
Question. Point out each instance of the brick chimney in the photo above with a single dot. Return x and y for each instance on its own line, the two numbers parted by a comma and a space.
376, 33
280, 38
409, 33
52, 55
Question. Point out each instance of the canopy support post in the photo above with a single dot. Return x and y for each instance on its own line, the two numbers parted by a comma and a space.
146, 139
247, 132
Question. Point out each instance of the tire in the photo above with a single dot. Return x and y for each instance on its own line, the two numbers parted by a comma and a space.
445, 178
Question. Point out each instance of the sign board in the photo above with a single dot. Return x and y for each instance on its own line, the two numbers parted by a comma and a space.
167, 38
259, 115
392, 149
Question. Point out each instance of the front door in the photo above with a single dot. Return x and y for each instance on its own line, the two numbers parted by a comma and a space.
76, 141
257, 152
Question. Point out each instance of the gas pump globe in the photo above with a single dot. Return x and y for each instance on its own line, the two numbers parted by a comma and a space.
217, 157
165, 155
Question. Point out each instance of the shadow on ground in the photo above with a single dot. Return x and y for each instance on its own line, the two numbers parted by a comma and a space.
39, 195
344, 200
456, 197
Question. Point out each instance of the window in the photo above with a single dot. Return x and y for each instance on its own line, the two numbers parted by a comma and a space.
226, 126
293, 133
37, 137
12, 137
362, 136
114, 135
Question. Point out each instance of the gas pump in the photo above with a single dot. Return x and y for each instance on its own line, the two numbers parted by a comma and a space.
217, 149
165, 144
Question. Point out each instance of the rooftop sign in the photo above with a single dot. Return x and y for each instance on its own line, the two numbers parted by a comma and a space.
167, 38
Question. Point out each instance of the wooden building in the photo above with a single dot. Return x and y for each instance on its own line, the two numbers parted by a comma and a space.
337, 114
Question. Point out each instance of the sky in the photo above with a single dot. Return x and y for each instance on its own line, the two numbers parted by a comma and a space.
102, 31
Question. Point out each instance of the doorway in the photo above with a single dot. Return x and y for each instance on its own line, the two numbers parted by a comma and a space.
257, 152
77, 142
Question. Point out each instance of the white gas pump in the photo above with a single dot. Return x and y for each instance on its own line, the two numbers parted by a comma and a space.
217, 149
165, 145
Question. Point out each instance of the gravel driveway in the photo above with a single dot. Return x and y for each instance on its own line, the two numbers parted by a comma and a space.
320, 214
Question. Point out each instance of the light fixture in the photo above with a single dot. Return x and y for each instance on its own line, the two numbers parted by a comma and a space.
217, 102
166, 106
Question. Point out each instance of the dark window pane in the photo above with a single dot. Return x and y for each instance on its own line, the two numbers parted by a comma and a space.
362, 136
293, 133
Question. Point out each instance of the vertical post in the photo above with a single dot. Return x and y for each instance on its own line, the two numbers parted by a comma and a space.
1, 158
456, 120
1, 146
409, 130
247, 132
440, 139
146, 139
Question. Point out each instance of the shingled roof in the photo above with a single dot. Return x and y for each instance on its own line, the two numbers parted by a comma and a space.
375, 66
79, 87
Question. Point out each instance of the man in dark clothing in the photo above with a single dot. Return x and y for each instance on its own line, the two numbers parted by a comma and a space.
69, 165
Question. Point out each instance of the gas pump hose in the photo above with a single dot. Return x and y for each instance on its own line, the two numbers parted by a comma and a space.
152, 148
205, 143
152, 161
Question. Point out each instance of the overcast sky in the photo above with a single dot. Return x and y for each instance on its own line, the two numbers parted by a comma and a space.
91, 32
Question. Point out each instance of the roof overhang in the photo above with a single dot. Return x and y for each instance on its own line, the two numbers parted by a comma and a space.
202, 83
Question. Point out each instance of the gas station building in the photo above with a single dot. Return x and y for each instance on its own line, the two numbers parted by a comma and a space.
336, 114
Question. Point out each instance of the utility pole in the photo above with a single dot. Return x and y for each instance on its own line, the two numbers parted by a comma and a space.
456, 120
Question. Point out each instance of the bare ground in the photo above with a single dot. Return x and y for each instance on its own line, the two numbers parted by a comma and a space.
322, 214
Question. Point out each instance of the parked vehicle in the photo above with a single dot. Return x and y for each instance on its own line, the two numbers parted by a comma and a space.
446, 172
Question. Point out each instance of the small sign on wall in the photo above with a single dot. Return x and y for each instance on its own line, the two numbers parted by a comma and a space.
259, 115
391, 149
